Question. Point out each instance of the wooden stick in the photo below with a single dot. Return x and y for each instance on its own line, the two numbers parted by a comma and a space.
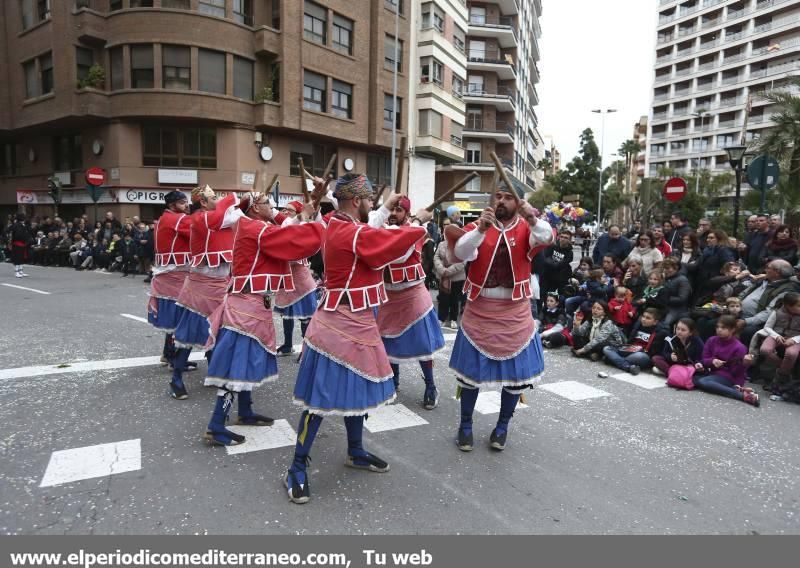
401, 166
303, 173
449, 193
329, 167
326, 175
378, 195
255, 180
268, 189
498, 166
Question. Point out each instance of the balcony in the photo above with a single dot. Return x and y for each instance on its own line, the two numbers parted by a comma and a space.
91, 26
501, 29
447, 151
511, 7
501, 98
499, 130
492, 61
267, 41
267, 114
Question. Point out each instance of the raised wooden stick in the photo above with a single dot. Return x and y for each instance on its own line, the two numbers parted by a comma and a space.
303, 174
268, 189
255, 180
401, 166
376, 204
449, 193
326, 175
501, 171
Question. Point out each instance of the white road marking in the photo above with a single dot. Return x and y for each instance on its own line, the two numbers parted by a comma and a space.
449, 337
392, 417
102, 460
28, 289
574, 391
135, 318
644, 380
83, 367
489, 402
257, 438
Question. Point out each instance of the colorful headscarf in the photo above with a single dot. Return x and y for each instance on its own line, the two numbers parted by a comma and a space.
200, 193
350, 186
174, 197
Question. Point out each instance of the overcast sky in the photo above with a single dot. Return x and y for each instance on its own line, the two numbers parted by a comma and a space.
595, 53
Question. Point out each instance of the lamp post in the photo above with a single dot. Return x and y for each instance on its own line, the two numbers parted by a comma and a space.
702, 115
736, 160
602, 114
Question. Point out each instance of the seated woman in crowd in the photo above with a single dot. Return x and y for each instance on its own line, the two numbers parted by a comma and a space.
613, 272
683, 348
733, 281
725, 361
688, 255
780, 247
634, 279
679, 291
590, 337
781, 347
714, 257
645, 253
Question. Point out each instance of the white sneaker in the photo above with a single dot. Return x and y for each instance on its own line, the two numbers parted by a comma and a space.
657, 371
18, 275
23, 274
453, 325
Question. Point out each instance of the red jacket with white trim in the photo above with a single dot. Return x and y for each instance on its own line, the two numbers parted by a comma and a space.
172, 239
262, 252
355, 257
209, 242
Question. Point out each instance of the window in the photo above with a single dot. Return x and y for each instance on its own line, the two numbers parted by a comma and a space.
456, 134
394, 5
458, 86
432, 71
46, 67
474, 185
315, 23
211, 72
379, 169
176, 4
388, 112
8, 159
212, 7
475, 84
42, 9
179, 147
117, 69
430, 123
432, 17
314, 88
115, 5
243, 11
84, 59
27, 10
342, 104
176, 68
67, 153
141, 3
473, 152
477, 49
242, 78
31, 79
342, 34
477, 15
315, 158
142, 76
392, 49
459, 39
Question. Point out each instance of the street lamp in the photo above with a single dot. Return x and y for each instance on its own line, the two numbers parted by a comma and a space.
736, 160
602, 114
702, 115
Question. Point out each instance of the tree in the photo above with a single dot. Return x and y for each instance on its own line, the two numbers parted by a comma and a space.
543, 197
783, 142
581, 176
630, 149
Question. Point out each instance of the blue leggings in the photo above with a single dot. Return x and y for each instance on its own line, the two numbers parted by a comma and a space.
717, 384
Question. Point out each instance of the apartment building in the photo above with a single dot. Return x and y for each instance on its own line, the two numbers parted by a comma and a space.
166, 94
499, 96
640, 137
713, 60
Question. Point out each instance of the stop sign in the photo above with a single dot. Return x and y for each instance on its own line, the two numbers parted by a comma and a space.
675, 189
95, 176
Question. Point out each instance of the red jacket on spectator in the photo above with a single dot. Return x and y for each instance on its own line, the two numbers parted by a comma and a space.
624, 316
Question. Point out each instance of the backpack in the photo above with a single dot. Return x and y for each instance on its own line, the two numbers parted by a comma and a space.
680, 377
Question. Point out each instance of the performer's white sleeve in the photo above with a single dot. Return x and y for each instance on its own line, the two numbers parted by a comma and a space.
466, 248
232, 215
335, 201
541, 233
291, 221
378, 218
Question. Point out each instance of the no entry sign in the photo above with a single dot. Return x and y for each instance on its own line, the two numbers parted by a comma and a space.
675, 189
95, 176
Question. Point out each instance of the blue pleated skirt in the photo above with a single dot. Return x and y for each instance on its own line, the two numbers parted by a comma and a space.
476, 369
303, 308
240, 363
192, 330
169, 313
418, 343
326, 387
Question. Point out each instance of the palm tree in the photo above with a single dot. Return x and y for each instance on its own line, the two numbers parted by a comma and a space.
783, 142
630, 149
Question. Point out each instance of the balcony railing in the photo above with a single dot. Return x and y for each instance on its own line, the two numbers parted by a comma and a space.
478, 90
456, 141
488, 56
478, 124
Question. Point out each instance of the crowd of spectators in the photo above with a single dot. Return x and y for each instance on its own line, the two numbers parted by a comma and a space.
109, 246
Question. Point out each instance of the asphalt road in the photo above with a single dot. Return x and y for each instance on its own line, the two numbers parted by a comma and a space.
636, 458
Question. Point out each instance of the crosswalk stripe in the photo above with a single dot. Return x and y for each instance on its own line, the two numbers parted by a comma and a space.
643, 380
135, 318
392, 417
489, 403
574, 391
257, 438
102, 460
28, 289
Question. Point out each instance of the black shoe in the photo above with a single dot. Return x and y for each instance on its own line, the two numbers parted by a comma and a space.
178, 392
634, 369
431, 398
464, 441
297, 487
498, 441
224, 438
368, 462
148, 280
124, 274
285, 351
255, 420
190, 366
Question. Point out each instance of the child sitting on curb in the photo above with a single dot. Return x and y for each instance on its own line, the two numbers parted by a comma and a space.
590, 337
645, 341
